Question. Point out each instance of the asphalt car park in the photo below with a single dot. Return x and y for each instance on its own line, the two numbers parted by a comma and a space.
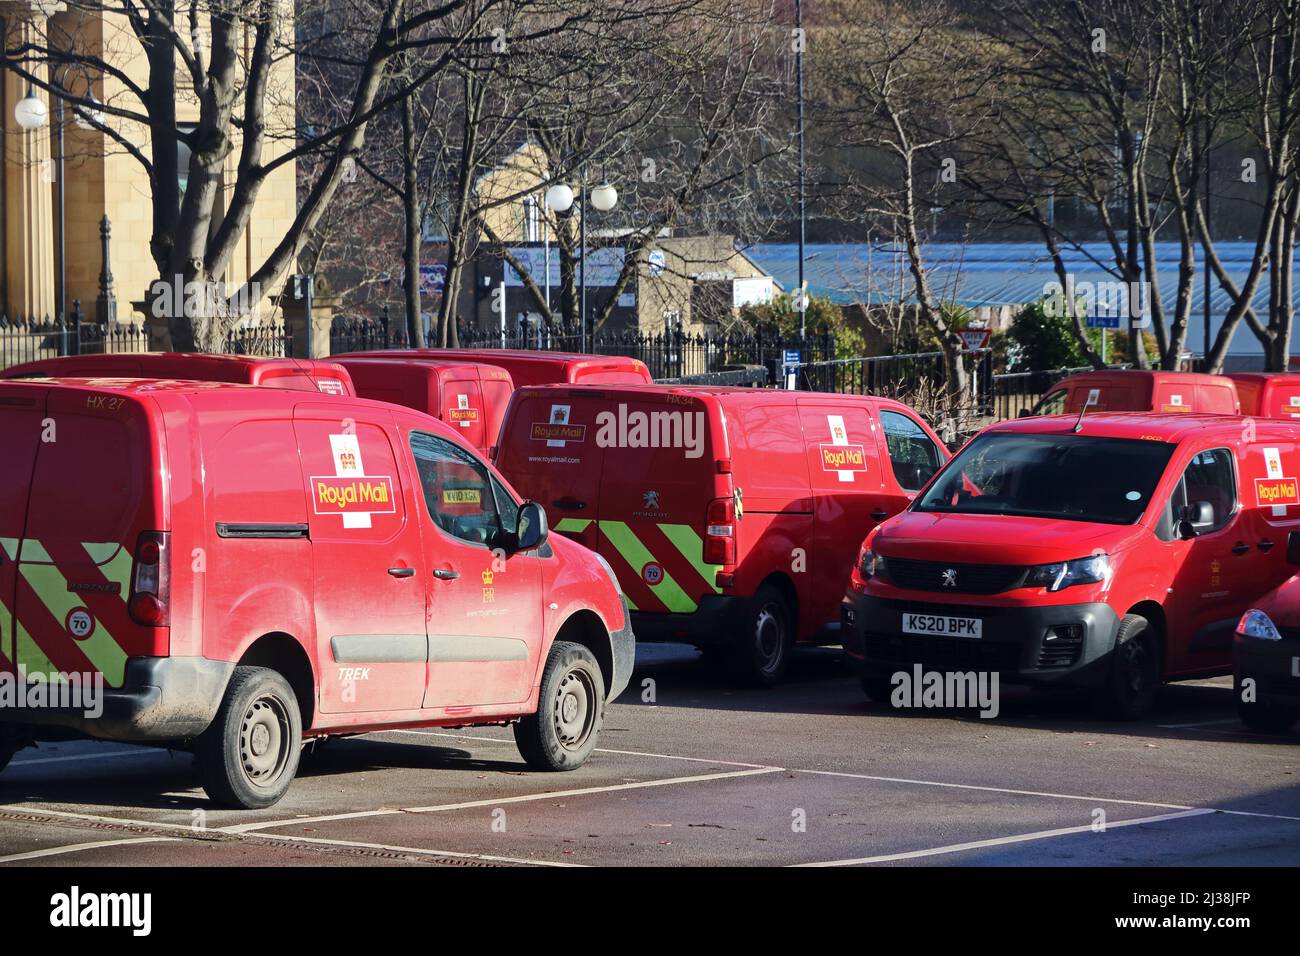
805, 773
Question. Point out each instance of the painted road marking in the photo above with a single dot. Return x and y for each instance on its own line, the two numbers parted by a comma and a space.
1007, 840
599, 750
78, 847
500, 801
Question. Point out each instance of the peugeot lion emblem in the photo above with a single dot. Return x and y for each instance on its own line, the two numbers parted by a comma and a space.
950, 578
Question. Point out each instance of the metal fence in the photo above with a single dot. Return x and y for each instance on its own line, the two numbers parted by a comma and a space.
27, 340
669, 355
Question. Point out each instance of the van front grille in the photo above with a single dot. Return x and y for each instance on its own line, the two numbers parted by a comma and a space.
953, 578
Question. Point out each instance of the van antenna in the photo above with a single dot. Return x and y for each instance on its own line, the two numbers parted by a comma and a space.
1078, 425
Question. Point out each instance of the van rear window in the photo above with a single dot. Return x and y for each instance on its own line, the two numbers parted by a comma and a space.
1075, 477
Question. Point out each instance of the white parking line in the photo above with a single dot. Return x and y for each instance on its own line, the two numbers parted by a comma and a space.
1005, 841
499, 801
599, 750
415, 850
78, 847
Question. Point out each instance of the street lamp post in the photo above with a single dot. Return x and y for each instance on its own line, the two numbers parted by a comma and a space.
603, 198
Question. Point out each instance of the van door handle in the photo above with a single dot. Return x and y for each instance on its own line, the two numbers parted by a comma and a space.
445, 574
402, 572
569, 504
1265, 544
880, 514
1241, 547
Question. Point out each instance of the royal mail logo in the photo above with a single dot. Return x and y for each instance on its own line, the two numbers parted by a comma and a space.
347, 461
1175, 408
360, 494
1277, 491
546, 431
463, 414
843, 458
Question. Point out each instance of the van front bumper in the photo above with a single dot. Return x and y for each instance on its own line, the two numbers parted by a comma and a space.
1060, 644
1274, 666
712, 624
161, 699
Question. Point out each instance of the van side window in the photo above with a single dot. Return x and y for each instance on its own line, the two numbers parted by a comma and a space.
1211, 478
459, 492
1053, 404
911, 452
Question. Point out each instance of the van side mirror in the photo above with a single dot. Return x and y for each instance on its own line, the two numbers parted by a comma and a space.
1198, 514
531, 531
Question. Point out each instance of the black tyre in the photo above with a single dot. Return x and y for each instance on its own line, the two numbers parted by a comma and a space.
763, 641
1135, 671
248, 757
12, 740
570, 711
1263, 715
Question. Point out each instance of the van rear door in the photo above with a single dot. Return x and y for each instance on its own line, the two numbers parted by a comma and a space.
96, 487
1282, 398
21, 413
461, 407
660, 476
549, 453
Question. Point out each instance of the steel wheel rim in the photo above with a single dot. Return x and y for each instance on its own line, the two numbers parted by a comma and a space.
264, 736
573, 713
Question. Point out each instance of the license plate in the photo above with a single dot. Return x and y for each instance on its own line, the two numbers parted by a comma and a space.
946, 626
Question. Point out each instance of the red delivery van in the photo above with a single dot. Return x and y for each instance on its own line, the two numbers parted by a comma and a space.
309, 375
262, 565
528, 367
1266, 658
729, 515
1131, 390
471, 397
1109, 552
1268, 394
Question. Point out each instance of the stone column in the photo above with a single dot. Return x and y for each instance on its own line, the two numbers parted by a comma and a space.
29, 178
323, 307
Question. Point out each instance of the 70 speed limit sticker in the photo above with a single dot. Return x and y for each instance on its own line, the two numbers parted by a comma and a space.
79, 623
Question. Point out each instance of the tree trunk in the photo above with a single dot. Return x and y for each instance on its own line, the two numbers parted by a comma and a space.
413, 209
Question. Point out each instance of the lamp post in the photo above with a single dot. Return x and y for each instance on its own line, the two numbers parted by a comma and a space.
603, 198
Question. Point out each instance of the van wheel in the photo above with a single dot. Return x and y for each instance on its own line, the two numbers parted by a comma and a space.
1130, 689
570, 711
248, 756
1264, 716
762, 650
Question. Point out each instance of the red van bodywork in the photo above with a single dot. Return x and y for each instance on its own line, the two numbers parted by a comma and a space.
1266, 660
748, 531
528, 367
1175, 521
471, 397
1268, 394
307, 375
347, 545
1132, 390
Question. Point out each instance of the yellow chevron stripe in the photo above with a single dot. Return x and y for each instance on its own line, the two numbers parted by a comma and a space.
52, 587
688, 541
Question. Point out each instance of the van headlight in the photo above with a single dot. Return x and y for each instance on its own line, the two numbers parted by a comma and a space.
869, 563
1255, 623
1093, 569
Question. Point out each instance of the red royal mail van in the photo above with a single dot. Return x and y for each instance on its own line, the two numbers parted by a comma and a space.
471, 397
309, 375
1268, 394
1130, 390
527, 367
259, 565
728, 514
1108, 551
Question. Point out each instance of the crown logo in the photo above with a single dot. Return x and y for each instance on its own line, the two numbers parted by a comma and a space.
487, 576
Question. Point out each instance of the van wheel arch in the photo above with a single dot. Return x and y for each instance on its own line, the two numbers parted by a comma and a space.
586, 628
788, 591
1155, 615
283, 653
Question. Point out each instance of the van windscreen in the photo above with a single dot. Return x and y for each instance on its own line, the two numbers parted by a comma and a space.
1075, 477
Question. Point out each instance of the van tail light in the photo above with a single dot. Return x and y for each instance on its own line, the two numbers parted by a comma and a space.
720, 532
150, 601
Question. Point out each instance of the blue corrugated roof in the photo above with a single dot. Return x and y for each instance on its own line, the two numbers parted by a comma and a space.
978, 274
